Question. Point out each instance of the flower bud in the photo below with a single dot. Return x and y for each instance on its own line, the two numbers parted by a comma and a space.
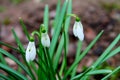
78, 30
30, 51
45, 40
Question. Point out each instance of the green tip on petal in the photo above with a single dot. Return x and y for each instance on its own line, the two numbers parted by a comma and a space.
43, 29
77, 19
31, 39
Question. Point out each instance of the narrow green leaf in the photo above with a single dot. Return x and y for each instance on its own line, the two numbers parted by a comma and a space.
77, 56
82, 54
95, 72
60, 46
14, 59
9, 46
46, 17
24, 28
2, 59
18, 41
114, 52
113, 72
57, 30
66, 38
58, 53
81, 75
12, 71
57, 13
4, 77
106, 52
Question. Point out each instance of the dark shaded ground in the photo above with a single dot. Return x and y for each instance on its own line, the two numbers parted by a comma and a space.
96, 15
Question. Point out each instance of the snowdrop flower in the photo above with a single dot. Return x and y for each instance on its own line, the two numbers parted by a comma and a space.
30, 52
45, 40
78, 30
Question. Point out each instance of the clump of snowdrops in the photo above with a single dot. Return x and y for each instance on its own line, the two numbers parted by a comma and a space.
41, 62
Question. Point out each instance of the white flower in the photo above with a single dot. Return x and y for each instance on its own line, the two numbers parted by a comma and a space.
45, 40
30, 52
78, 30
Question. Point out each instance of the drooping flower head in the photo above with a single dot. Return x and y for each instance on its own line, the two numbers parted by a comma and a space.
30, 51
45, 40
78, 29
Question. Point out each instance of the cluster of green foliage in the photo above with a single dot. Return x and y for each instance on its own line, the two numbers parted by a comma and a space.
45, 66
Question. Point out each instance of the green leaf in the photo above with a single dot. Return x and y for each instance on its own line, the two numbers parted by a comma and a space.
66, 38
24, 29
9, 46
77, 56
112, 53
2, 59
46, 17
82, 55
61, 43
106, 52
57, 13
113, 72
22, 52
57, 30
14, 59
13, 72
58, 53
95, 72
4, 77
18, 41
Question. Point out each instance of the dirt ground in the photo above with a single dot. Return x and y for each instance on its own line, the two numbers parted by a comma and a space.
96, 15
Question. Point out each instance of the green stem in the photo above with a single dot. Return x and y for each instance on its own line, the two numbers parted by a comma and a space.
77, 56
113, 72
50, 63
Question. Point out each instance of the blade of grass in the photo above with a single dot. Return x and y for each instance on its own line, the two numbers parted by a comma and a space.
46, 17
113, 72
57, 16
14, 59
18, 41
9, 46
60, 46
2, 59
22, 52
58, 53
95, 72
24, 28
82, 55
50, 63
66, 38
57, 30
77, 56
114, 52
106, 52
78, 77
43, 62
13, 72
41, 68
4, 77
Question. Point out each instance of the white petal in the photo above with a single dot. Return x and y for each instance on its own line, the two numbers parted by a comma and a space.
45, 40
81, 36
30, 52
74, 29
80, 25
78, 30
